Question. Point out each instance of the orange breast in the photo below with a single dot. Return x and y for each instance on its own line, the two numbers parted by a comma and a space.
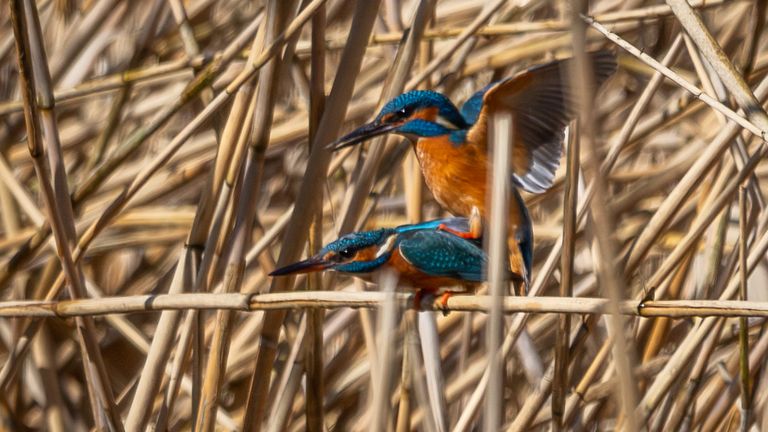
458, 176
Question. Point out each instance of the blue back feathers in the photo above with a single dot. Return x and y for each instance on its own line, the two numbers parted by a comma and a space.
456, 223
442, 254
470, 110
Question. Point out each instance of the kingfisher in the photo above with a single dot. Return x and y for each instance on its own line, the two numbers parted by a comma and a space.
427, 256
451, 143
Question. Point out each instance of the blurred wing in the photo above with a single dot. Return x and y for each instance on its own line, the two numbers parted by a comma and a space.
541, 101
441, 254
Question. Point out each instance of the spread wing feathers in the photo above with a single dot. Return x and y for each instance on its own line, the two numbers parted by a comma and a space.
441, 254
541, 102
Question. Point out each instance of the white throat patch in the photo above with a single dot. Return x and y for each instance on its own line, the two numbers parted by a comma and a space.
442, 121
387, 246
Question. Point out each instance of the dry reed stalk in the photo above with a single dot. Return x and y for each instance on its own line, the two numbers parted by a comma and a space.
433, 370
682, 82
663, 380
466, 33
692, 177
609, 272
350, 299
570, 201
379, 410
117, 205
682, 405
404, 403
39, 117
23, 199
717, 60
57, 418
187, 34
288, 379
154, 74
185, 274
744, 387
79, 36
315, 383
277, 16
130, 146
395, 85
499, 152
317, 166
661, 325
648, 12
124, 93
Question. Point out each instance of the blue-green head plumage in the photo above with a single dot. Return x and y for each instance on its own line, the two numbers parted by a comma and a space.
417, 113
408, 104
347, 248
358, 252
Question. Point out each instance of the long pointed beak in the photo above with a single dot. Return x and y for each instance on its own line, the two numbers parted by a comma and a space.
361, 134
309, 265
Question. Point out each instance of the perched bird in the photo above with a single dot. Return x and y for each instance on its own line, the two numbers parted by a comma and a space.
425, 257
451, 144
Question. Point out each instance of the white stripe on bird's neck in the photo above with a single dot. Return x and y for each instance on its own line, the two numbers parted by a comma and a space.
387, 246
444, 122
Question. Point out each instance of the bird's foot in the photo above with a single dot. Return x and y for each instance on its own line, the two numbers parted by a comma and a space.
476, 223
444, 302
465, 235
475, 227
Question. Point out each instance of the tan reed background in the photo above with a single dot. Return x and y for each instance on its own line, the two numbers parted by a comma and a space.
166, 155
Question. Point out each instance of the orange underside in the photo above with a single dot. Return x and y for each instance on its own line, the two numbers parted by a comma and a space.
414, 278
458, 178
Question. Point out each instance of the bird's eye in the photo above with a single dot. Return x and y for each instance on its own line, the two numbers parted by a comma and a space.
346, 253
405, 112
399, 115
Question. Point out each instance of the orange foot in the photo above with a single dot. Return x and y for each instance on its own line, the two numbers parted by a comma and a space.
475, 227
444, 301
465, 235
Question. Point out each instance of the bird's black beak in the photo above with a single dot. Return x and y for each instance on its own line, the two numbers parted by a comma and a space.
310, 265
361, 134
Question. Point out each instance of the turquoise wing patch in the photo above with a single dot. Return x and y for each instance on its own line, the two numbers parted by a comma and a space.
442, 254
